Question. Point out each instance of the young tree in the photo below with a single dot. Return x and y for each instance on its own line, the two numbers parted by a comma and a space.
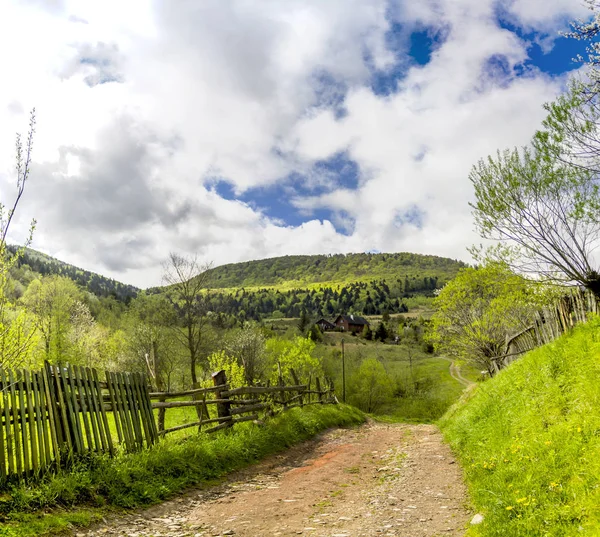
247, 346
187, 279
478, 309
381, 333
370, 387
544, 211
16, 334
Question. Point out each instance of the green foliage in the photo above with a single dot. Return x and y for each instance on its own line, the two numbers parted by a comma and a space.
236, 375
367, 333
296, 354
172, 466
528, 440
477, 310
381, 333
371, 387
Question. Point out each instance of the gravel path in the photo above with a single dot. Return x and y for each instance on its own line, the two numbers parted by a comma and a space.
376, 480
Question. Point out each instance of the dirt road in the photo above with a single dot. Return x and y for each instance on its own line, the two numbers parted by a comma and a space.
380, 480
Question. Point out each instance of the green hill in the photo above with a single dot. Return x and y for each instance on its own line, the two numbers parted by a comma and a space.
529, 441
326, 285
300, 271
97, 284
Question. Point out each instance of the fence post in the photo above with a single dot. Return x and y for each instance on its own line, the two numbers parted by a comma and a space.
223, 409
320, 393
297, 383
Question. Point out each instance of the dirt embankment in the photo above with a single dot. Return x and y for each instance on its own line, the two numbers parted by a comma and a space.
377, 480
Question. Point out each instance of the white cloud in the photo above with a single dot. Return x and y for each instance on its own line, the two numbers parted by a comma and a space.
240, 90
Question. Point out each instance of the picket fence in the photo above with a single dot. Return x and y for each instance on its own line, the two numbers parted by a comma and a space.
50, 418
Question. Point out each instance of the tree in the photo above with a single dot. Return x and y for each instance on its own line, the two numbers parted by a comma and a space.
370, 387
52, 300
303, 322
544, 210
367, 333
187, 278
381, 332
477, 310
16, 335
247, 346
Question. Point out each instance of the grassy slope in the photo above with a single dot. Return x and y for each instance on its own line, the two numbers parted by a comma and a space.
529, 441
78, 497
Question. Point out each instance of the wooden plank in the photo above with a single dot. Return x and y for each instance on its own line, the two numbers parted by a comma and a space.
178, 404
41, 419
3, 444
149, 412
70, 388
64, 422
137, 392
134, 411
85, 408
261, 389
169, 395
53, 417
113, 404
16, 432
34, 440
21, 395
124, 411
104, 418
251, 408
93, 409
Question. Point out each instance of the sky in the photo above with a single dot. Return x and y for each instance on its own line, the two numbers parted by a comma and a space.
245, 129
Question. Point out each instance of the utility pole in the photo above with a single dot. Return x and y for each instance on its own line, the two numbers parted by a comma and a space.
343, 373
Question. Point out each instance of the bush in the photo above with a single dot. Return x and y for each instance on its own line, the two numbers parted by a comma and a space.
370, 387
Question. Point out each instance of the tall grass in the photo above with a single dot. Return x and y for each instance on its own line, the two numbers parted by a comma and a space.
529, 441
153, 475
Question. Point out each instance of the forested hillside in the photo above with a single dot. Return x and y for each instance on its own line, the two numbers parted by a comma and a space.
45, 265
304, 270
325, 285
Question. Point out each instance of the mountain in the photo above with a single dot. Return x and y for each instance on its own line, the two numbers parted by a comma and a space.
326, 285
94, 283
297, 271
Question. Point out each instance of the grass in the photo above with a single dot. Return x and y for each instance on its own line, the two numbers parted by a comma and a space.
436, 392
529, 441
78, 497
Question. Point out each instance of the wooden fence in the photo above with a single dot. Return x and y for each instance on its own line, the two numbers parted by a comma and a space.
239, 404
549, 324
50, 417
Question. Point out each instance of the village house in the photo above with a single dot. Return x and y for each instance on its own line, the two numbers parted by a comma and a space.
350, 323
325, 325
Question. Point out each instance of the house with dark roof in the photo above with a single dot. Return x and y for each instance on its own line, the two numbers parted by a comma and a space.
350, 323
325, 325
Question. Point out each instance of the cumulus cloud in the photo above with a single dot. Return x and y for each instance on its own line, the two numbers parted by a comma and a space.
147, 106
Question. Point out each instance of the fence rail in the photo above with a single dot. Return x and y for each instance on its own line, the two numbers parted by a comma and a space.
231, 405
50, 417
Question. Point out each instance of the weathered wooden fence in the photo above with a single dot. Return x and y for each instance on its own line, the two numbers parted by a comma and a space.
239, 404
50, 417
550, 323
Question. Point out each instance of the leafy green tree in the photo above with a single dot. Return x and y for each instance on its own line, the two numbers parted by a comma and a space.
370, 387
296, 354
52, 300
315, 333
477, 310
303, 322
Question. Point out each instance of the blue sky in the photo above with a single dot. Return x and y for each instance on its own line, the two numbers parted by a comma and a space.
243, 130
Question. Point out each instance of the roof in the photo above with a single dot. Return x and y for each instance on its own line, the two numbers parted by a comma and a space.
323, 320
352, 319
